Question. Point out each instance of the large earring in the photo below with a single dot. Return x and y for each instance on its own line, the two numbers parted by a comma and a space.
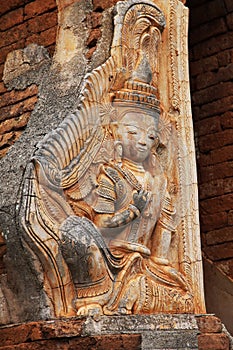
154, 156
118, 152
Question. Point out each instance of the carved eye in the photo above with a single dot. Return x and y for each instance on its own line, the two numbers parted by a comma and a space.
152, 136
132, 132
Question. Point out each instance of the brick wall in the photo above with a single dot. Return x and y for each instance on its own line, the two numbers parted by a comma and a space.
22, 22
211, 68
70, 334
95, 23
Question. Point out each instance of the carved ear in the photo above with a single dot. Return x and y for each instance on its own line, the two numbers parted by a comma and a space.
152, 163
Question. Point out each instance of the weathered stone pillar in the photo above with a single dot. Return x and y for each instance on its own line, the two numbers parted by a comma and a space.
106, 218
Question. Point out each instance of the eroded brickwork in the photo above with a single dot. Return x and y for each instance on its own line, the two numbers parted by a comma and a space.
70, 334
94, 20
211, 67
16, 107
22, 22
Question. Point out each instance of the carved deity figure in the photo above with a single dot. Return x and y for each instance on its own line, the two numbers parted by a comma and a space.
99, 211
133, 215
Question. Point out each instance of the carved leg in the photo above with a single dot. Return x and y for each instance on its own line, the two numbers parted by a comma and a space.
161, 245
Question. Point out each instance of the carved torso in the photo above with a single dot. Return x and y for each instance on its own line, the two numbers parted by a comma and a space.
124, 180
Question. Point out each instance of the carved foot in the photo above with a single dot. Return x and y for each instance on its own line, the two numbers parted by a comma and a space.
128, 298
117, 312
162, 265
176, 276
90, 310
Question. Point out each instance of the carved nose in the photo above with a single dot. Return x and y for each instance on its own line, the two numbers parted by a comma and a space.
142, 140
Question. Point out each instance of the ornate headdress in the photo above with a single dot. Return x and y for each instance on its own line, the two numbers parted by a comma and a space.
138, 92
136, 84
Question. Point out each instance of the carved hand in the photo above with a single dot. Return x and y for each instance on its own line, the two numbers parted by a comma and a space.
140, 199
134, 210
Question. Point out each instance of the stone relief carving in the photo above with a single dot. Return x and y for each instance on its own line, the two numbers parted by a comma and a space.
101, 207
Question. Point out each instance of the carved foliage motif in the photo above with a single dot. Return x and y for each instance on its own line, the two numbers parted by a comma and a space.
100, 210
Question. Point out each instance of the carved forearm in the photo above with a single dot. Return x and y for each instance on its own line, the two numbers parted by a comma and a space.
124, 217
133, 211
119, 218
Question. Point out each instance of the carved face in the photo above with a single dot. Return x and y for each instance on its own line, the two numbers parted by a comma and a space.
138, 132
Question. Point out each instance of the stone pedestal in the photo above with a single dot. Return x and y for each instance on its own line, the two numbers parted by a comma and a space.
118, 332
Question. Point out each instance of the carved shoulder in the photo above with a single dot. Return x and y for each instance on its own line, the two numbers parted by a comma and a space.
112, 173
